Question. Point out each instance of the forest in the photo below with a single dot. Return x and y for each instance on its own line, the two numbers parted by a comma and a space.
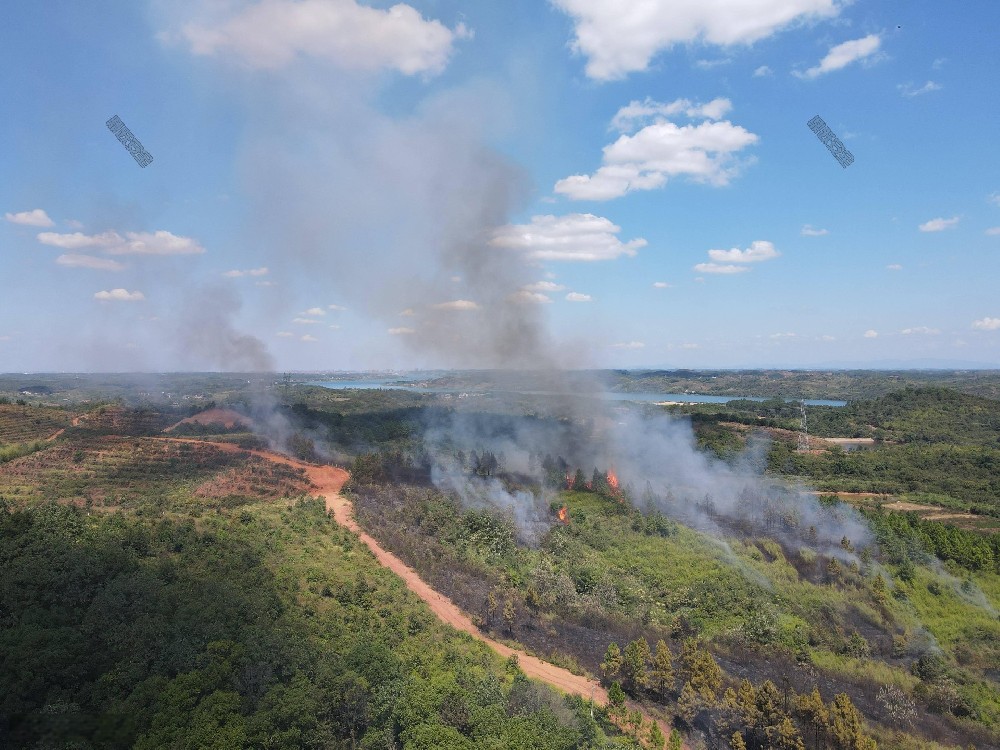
168, 593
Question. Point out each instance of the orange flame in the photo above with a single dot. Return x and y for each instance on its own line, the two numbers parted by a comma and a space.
569, 481
564, 514
612, 480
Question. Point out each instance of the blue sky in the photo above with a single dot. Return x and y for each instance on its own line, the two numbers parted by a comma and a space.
587, 183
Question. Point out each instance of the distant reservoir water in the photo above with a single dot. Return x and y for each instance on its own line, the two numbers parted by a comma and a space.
645, 396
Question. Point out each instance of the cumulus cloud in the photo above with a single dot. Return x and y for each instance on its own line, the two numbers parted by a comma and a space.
573, 237
759, 250
690, 345
894, 267
314, 311
524, 297
763, 71
76, 260
661, 285
308, 337
986, 324
458, 304
401, 331
237, 274
34, 218
577, 297
719, 268
408, 313
871, 334
994, 198
544, 286
629, 345
908, 89
618, 41
993, 231
119, 295
705, 152
265, 283
920, 331
809, 231
271, 34
636, 113
305, 321
335, 307
134, 243
843, 55
285, 334
938, 224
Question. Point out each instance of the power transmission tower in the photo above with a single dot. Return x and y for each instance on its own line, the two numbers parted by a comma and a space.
804, 433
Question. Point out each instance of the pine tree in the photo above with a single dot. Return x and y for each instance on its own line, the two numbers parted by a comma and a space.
784, 736
688, 704
634, 663
656, 738
846, 724
612, 664
813, 712
737, 743
662, 673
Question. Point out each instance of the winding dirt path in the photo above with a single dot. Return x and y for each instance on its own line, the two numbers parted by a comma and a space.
329, 480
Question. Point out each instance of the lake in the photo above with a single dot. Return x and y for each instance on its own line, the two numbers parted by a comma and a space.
683, 398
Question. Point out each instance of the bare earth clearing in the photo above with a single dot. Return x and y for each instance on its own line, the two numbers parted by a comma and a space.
226, 417
329, 480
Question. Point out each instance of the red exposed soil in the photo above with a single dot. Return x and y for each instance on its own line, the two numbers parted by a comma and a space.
226, 417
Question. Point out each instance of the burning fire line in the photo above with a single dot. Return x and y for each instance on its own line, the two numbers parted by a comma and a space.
564, 515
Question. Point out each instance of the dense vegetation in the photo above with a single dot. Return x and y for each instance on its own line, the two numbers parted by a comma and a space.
749, 639
613, 574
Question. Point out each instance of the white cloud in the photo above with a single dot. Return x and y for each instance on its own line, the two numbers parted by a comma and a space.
717, 268
636, 113
782, 336
305, 321
265, 283
285, 334
408, 313
938, 225
273, 33
907, 89
759, 250
993, 231
809, 231
994, 198
458, 304
577, 297
134, 243
661, 285
894, 267
335, 307
334, 327
236, 274
689, 345
34, 218
308, 337
870, 334
629, 345
618, 40
827, 337
524, 297
401, 331
763, 71
843, 55
120, 295
987, 324
920, 330
706, 152
544, 286
573, 237
314, 311
75, 260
